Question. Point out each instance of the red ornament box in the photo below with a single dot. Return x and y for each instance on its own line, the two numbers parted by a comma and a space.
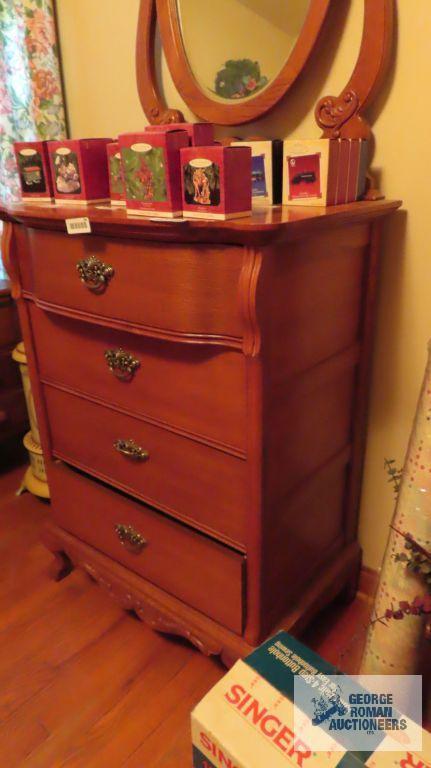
115, 168
151, 171
34, 171
216, 182
322, 172
79, 169
200, 134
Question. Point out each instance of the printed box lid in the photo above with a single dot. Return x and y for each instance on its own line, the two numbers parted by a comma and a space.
249, 719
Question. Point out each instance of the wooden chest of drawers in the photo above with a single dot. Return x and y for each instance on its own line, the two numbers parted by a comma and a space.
201, 391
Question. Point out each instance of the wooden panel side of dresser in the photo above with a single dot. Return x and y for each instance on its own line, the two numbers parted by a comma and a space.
307, 364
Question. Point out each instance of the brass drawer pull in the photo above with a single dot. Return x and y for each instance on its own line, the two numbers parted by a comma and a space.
122, 364
131, 449
133, 541
94, 273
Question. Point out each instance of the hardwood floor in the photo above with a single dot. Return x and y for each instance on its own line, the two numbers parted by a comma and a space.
82, 683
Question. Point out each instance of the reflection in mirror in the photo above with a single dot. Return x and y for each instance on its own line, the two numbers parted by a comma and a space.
235, 48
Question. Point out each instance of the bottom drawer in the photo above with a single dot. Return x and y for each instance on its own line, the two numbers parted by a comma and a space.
205, 575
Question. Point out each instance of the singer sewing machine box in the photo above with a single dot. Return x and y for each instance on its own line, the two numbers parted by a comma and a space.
251, 718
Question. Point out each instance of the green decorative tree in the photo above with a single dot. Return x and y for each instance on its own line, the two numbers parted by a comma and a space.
239, 78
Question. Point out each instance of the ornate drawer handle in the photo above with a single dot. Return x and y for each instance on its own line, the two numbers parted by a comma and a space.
122, 364
94, 273
131, 449
130, 539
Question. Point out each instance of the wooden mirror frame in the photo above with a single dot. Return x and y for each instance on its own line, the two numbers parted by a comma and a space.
338, 116
221, 113
251, 108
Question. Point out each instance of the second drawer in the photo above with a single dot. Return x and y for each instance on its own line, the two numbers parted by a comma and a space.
197, 388
201, 485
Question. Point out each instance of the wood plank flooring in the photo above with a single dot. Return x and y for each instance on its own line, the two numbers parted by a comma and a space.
84, 684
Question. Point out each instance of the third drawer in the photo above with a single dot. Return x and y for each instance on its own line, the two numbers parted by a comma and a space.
201, 485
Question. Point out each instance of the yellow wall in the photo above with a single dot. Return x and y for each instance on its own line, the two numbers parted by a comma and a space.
97, 39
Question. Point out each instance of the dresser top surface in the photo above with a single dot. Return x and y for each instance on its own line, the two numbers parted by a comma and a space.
262, 227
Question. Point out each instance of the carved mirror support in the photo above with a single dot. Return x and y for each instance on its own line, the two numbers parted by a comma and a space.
341, 116
151, 99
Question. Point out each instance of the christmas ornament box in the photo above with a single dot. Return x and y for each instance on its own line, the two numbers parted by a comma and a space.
115, 169
247, 720
34, 171
266, 170
200, 134
216, 182
151, 171
79, 169
323, 172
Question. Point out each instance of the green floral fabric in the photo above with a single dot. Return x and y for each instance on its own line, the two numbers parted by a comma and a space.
31, 101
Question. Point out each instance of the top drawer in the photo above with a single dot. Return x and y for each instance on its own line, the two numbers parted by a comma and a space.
182, 289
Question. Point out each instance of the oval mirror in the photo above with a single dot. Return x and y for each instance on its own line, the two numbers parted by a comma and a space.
236, 60
232, 60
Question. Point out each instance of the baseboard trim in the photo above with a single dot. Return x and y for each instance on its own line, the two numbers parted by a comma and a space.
368, 582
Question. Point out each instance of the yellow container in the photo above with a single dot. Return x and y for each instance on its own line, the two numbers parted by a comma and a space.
35, 477
20, 357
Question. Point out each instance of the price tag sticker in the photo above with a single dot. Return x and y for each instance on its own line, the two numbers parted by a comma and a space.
78, 226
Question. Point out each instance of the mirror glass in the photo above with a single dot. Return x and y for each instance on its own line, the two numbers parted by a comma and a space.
235, 48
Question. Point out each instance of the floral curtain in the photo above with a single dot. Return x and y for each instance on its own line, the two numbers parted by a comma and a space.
31, 100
